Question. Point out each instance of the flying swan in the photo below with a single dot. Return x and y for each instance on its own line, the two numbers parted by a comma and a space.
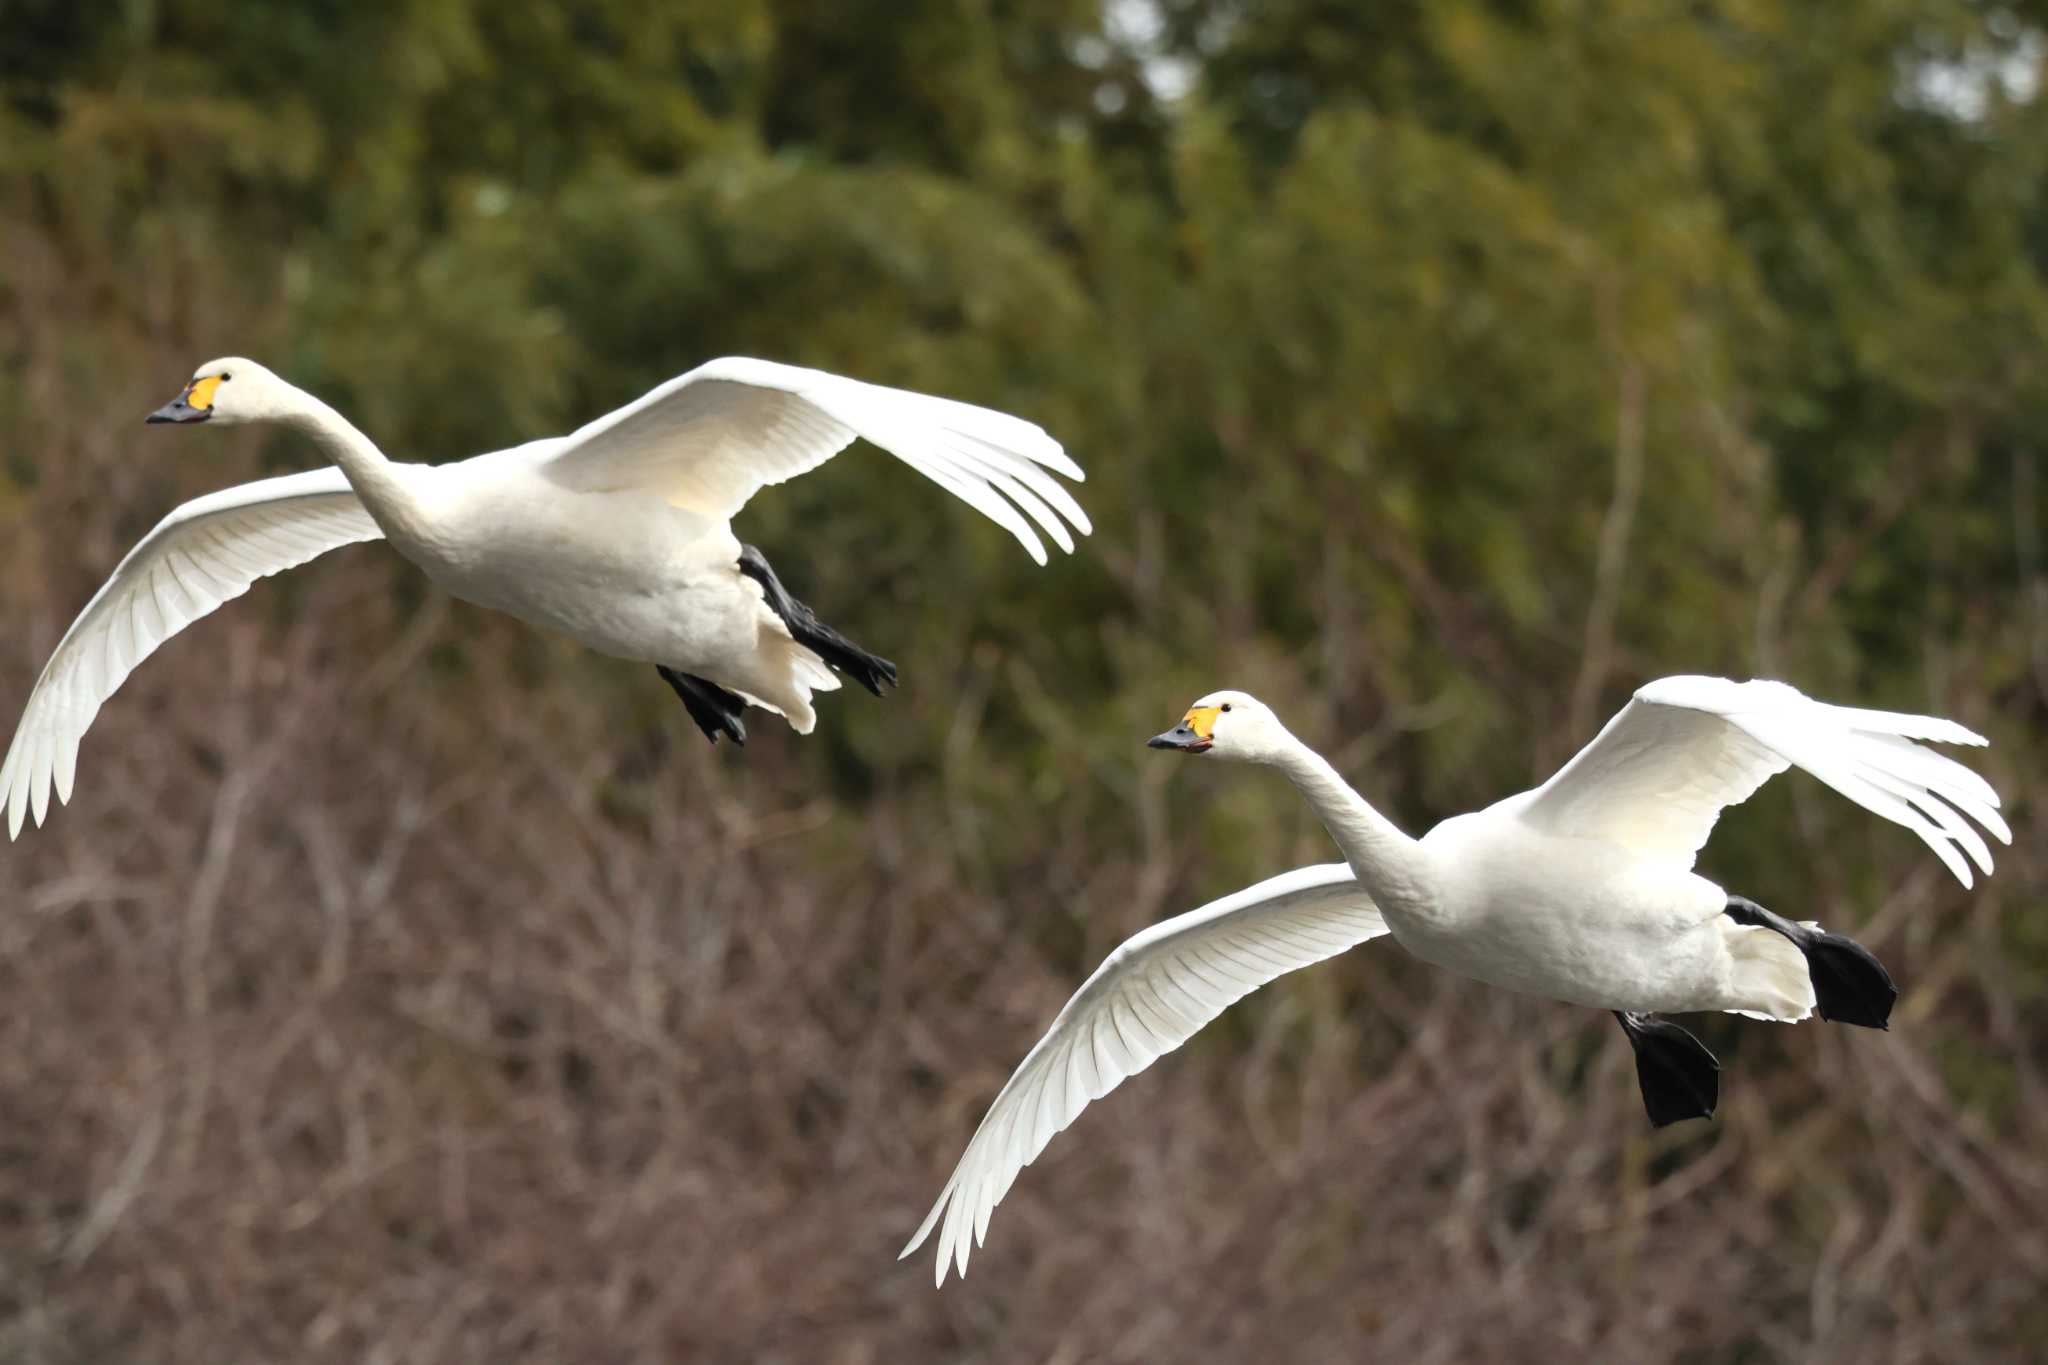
1580, 891
617, 535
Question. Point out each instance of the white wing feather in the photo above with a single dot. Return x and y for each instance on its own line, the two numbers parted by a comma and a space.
207, 551
710, 439
1147, 998
1661, 772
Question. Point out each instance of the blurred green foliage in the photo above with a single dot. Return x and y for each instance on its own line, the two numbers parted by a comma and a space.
1367, 341
1375, 343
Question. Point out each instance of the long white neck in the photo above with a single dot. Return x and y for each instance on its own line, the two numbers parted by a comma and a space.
384, 489
1390, 865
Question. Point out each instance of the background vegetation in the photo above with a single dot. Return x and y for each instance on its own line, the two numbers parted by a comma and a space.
404, 985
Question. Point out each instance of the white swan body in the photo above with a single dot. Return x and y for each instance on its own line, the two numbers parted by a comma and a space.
1580, 891
618, 535
658, 586
1568, 919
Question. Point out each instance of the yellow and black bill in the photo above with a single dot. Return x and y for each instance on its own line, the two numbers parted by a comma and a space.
1193, 735
195, 404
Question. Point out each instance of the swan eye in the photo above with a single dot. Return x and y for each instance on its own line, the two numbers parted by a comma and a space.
1226, 706
225, 377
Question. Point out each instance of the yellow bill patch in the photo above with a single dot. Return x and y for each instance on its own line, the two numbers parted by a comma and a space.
1202, 720
199, 394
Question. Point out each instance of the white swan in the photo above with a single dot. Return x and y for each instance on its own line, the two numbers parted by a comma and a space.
617, 535
1580, 891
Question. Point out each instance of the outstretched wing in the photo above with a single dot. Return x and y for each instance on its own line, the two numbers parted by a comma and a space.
202, 554
1658, 776
708, 440
1147, 998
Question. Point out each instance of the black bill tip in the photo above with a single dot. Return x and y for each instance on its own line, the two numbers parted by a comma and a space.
1181, 737
178, 410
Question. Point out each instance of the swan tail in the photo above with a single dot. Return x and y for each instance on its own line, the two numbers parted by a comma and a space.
1768, 976
783, 678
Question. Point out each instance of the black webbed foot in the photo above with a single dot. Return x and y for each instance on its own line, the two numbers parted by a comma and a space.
716, 711
869, 670
1680, 1079
1850, 986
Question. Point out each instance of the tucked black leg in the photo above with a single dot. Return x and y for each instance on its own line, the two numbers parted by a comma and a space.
1680, 1078
716, 711
1850, 985
870, 670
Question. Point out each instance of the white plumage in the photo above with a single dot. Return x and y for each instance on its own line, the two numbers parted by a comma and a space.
617, 535
204, 553
1661, 772
1147, 998
1580, 891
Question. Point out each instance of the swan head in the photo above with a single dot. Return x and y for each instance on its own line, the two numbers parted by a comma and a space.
231, 389
1228, 725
